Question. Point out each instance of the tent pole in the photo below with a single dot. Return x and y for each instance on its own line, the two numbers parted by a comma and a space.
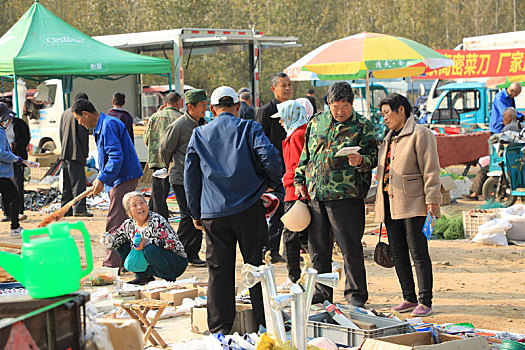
169, 81
368, 96
16, 94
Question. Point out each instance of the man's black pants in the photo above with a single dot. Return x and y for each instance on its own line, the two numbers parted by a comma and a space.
292, 247
190, 237
74, 179
10, 198
406, 237
18, 180
160, 190
249, 229
477, 184
344, 219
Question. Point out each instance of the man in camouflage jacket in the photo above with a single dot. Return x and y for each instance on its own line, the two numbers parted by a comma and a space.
158, 122
337, 186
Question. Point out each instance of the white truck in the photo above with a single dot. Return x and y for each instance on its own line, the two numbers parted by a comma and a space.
179, 42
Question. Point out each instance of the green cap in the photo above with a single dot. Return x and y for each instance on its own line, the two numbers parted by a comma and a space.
196, 95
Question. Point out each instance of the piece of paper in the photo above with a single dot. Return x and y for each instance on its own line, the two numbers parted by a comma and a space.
345, 151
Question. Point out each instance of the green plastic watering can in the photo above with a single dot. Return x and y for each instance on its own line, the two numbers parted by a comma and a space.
49, 266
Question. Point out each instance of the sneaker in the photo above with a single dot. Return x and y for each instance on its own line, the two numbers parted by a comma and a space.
85, 214
405, 306
22, 217
17, 232
285, 286
5, 219
422, 311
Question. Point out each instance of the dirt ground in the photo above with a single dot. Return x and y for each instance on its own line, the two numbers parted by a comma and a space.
484, 285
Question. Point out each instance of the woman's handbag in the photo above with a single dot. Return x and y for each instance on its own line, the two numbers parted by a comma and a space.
382, 253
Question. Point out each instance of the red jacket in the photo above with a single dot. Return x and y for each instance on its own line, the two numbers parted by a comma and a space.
292, 148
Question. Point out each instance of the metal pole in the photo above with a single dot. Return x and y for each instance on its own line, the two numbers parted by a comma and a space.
368, 95
169, 81
16, 95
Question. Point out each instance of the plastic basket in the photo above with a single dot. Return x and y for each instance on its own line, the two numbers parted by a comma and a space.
322, 325
472, 220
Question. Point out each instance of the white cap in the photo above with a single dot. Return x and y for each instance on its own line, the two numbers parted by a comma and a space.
223, 91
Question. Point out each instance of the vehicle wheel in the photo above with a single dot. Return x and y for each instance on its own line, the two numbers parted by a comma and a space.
489, 192
49, 146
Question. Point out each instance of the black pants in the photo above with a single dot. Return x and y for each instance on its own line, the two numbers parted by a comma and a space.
19, 183
292, 247
275, 225
344, 219
162, 263
406, 237
190, 237
249, 229
10, 198
74, 178
160, 190
479, 180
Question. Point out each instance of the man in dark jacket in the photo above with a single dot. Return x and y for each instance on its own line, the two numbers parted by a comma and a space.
74, 152
247, 111
310, 95
118, 101
282, 90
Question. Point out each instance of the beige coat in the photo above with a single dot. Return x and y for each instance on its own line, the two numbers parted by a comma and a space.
414, 173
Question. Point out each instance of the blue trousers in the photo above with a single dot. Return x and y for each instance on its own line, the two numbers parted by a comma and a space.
162, 263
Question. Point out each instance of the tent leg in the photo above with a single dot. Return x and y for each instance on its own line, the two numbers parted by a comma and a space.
16, 95
169, 82
368, 96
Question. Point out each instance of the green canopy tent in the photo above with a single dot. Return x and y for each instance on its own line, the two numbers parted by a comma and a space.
41, 46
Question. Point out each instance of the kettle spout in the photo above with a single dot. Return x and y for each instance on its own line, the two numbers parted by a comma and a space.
12, 263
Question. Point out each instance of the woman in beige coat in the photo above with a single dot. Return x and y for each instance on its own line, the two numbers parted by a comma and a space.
407, 189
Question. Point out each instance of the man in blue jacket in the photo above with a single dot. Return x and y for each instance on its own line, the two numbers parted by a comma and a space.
118, 164
503, 100
230, 163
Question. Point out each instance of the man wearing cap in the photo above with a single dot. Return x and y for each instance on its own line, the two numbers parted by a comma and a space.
157, 125
10, 195
230, 163
173, 146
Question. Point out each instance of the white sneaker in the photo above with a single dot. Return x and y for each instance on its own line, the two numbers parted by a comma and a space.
285, 286
17, 232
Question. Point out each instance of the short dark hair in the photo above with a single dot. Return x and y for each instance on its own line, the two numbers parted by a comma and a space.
81, 95
245, 96
310, 91
119, 99
8, 102
394, 101
172, 98
83, 105
225, 101
275, 78
340, 92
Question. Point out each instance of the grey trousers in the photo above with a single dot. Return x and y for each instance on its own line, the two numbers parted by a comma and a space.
74, 179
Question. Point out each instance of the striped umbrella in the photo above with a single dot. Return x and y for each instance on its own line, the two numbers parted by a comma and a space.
353, 57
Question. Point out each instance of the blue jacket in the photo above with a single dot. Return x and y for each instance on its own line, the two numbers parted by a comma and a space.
502, 101
117, 158
229, 164
6, 156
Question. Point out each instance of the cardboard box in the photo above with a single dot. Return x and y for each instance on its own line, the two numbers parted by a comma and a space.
151, 293
123, 334
45, 159
244, 319
447, 184
423, 341
176, 296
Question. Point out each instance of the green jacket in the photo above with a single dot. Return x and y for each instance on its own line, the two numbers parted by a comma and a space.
331, 178
157, 124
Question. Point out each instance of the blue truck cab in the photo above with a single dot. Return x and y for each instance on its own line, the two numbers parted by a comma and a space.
468, 104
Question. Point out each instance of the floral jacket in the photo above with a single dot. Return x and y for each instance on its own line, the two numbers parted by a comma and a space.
158, 232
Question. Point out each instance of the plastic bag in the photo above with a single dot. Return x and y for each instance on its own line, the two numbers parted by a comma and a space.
136, 261
493, 232
515, 215
495, 226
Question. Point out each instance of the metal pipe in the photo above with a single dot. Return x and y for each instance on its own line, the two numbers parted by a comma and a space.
299, 317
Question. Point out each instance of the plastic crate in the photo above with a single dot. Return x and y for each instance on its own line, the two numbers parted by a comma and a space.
39, 173
472, 220
322, 325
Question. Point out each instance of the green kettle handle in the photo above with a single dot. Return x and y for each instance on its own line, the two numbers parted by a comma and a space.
79, 225
27, 234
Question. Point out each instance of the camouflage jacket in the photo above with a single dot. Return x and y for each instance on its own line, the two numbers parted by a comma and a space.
157, 124
331, 178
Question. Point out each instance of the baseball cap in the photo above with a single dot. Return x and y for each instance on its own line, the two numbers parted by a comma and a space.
195, 95
5, 112
223, 91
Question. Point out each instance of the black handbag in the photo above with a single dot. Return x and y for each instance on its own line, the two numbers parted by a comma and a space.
382, 253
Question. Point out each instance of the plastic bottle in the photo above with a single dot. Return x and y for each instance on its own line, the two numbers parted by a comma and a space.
136, 239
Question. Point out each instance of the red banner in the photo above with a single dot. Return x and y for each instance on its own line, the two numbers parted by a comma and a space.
480, 64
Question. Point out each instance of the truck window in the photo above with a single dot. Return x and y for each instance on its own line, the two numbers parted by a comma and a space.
462, 101
51, 98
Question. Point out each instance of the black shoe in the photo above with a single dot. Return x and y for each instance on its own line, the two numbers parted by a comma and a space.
5, 219
277, 259
85, 214
318, 299
223, 331
69, 213
141, 280
197, 262
469, 197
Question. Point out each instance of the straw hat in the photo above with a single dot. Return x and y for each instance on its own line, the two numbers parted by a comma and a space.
297, 218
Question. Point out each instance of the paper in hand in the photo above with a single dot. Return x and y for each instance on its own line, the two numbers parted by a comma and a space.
345, 151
